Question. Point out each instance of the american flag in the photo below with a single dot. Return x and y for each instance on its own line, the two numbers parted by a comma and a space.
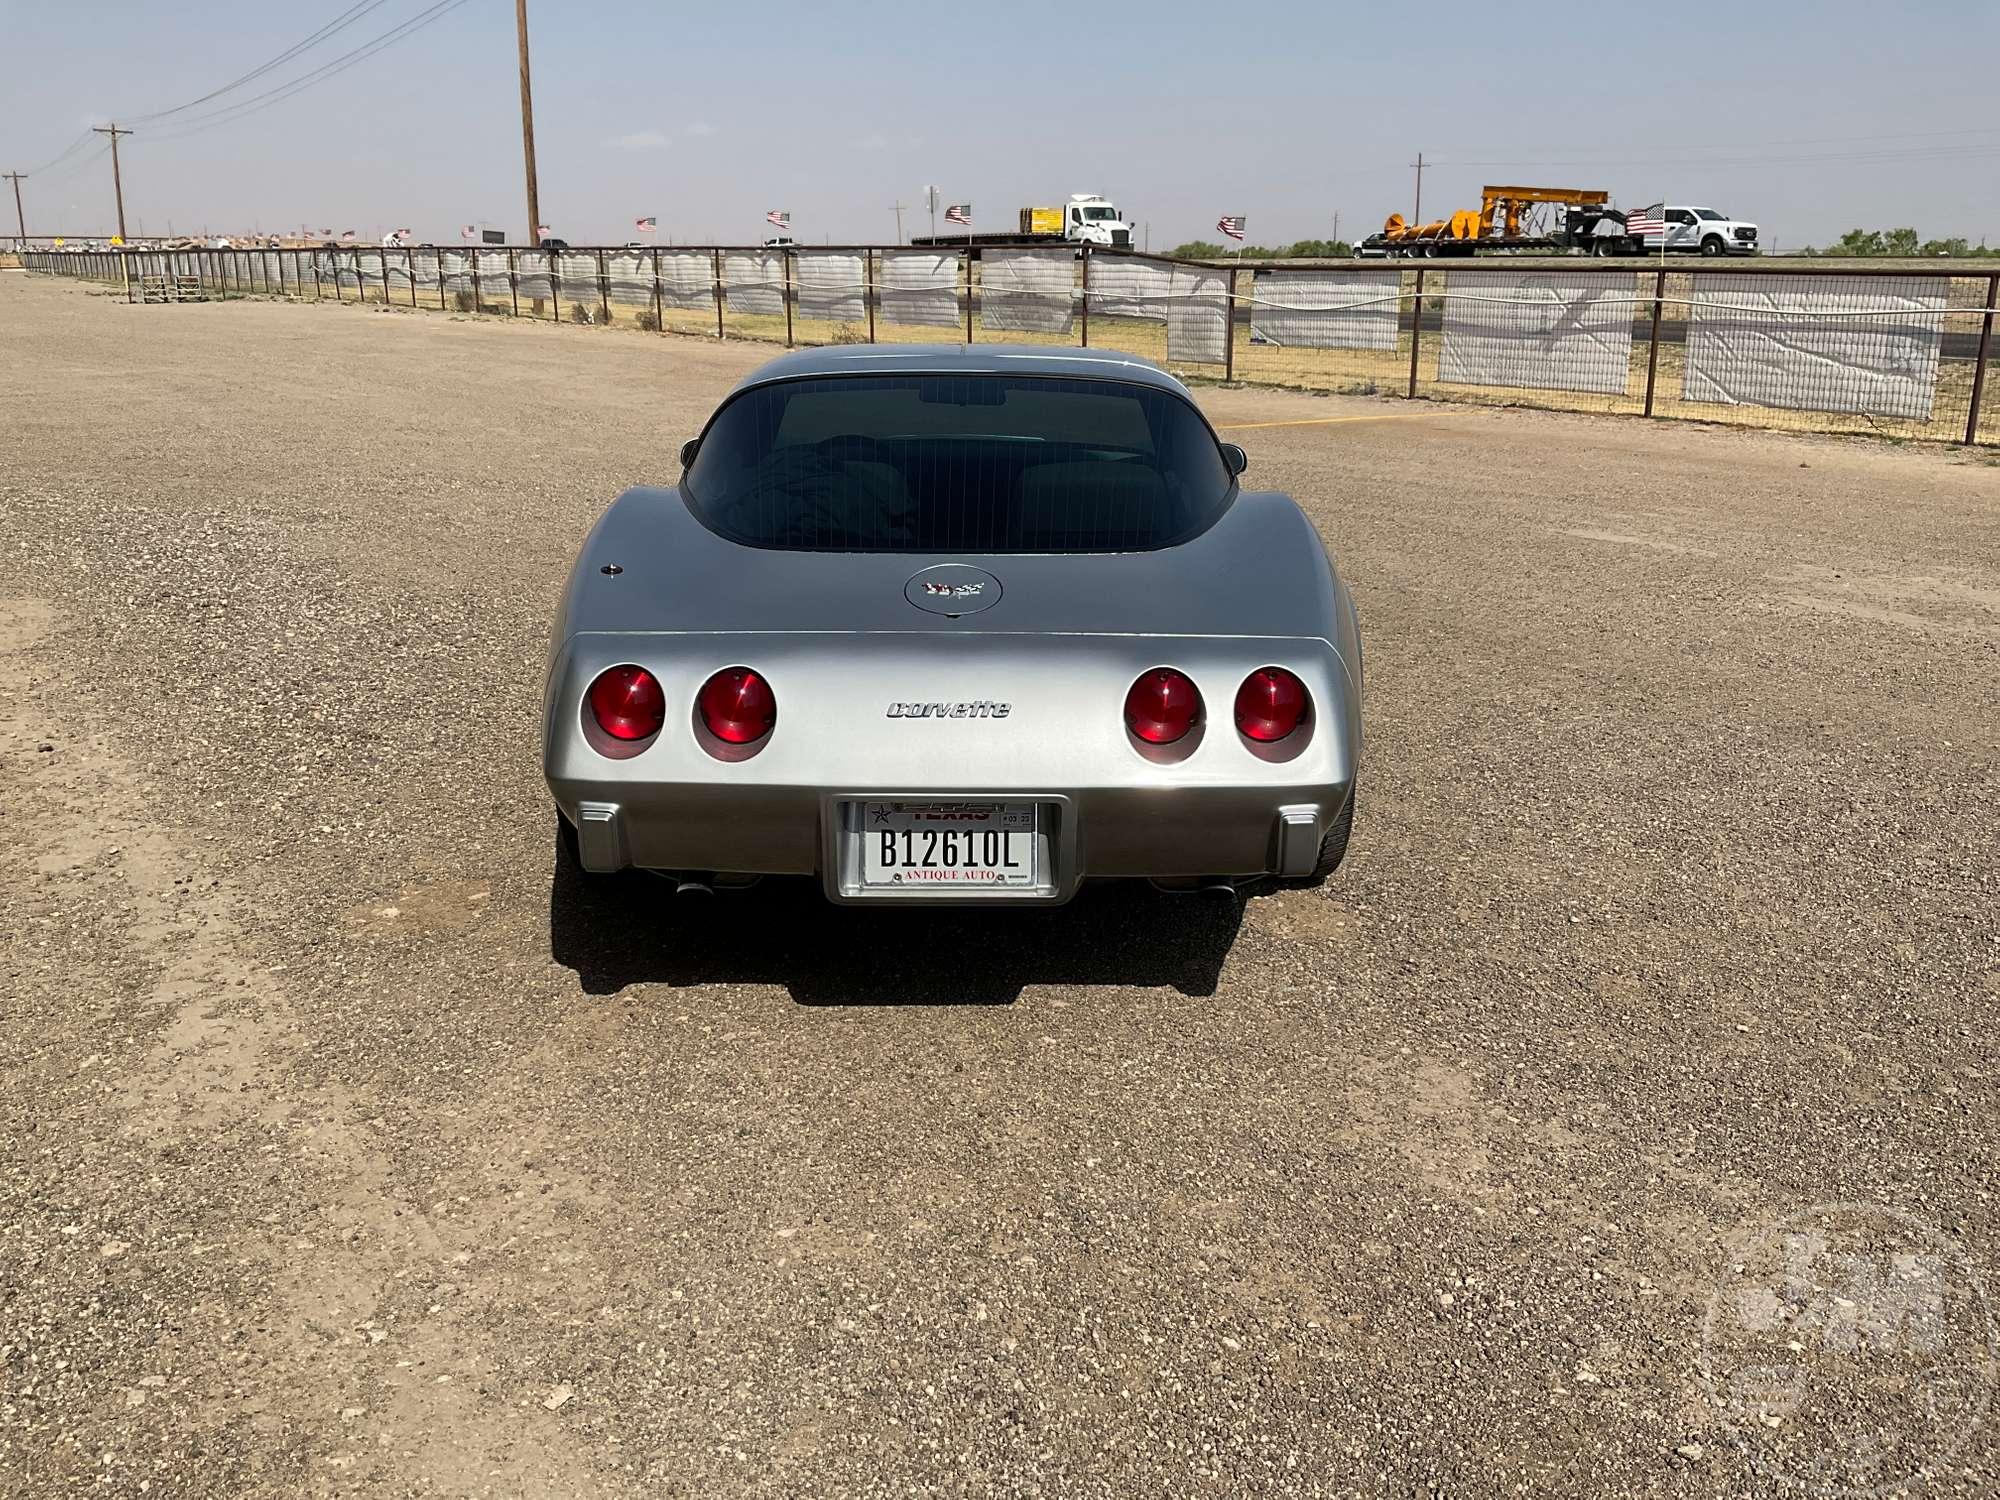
406, 231
347, 234
469, 232
1231, 225
959, 213
780, 217
541, 231
1647, 220
646, 225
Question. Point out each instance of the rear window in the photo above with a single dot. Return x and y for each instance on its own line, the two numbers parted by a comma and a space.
958, 463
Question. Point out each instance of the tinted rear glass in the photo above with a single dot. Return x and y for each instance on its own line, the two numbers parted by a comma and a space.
958, 463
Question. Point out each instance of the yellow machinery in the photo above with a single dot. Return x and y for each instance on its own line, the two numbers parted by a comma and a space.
1508, 206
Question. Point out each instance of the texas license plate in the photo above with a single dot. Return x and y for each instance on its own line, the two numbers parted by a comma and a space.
928, 845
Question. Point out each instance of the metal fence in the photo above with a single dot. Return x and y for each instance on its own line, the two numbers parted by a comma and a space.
1830, 348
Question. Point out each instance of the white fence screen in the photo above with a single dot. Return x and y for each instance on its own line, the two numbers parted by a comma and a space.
1865, 344
1534, 330
1325, 309
687, 279
1123, 288
831, 285
1198, 316
531, 272
919, 287
1028, 291
753, 281
630, 274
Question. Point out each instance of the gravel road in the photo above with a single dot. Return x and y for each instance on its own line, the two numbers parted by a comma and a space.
345, 1156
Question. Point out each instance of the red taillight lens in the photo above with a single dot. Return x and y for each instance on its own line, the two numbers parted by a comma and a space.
1270, 704
1162, 706
737, 706
627, 703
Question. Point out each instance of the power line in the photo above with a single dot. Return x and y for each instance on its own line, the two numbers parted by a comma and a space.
68, 151
77, 166
283, 91
339, 23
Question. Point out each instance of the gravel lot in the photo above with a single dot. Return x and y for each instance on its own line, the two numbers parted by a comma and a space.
345, 1156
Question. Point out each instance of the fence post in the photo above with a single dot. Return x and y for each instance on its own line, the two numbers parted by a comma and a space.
410, 270
128, 278
1979, 370
387, 300
1084, 253
659, 306
1229, 329
785, 260
1653, 346
315, 266
603, 290
969, 260
1416, 331
716, 256
555, 284
868, 289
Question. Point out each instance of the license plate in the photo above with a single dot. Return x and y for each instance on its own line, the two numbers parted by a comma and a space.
943, 845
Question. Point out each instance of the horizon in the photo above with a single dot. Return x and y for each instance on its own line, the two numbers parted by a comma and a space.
424, 132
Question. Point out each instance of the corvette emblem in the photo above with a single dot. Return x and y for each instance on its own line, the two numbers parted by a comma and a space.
980, 709
953, 590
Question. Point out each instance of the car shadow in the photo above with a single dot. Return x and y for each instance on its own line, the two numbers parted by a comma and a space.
634, 929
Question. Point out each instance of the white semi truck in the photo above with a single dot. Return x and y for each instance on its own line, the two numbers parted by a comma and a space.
1085, 219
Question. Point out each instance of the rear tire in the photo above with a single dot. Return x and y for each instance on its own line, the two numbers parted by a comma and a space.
1332, 848
569, 859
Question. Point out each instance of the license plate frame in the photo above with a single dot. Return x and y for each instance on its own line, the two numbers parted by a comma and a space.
858, 873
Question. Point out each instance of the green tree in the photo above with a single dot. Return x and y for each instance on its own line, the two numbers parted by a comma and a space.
1196, 250
1857, 242
1900, 242
1319, 250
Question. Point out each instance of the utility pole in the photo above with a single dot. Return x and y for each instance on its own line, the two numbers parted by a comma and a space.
1420, 190
931, 200
898, 207
528, 127
117, 183
19, 217
1336, 226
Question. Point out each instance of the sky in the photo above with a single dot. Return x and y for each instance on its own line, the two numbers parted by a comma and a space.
1808, 118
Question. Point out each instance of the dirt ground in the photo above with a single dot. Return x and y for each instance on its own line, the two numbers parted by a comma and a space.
343, 1155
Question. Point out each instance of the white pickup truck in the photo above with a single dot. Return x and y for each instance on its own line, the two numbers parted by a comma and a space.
1697, 231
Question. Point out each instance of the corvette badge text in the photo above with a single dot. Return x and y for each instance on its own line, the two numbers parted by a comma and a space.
979, 710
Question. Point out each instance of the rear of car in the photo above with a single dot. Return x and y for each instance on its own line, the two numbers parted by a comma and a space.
938, 627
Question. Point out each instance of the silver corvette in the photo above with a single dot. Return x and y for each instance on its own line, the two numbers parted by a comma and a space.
950, 624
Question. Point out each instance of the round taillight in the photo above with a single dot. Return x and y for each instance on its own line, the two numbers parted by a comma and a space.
1162, 706
1270, 704
737, 706
627, 703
